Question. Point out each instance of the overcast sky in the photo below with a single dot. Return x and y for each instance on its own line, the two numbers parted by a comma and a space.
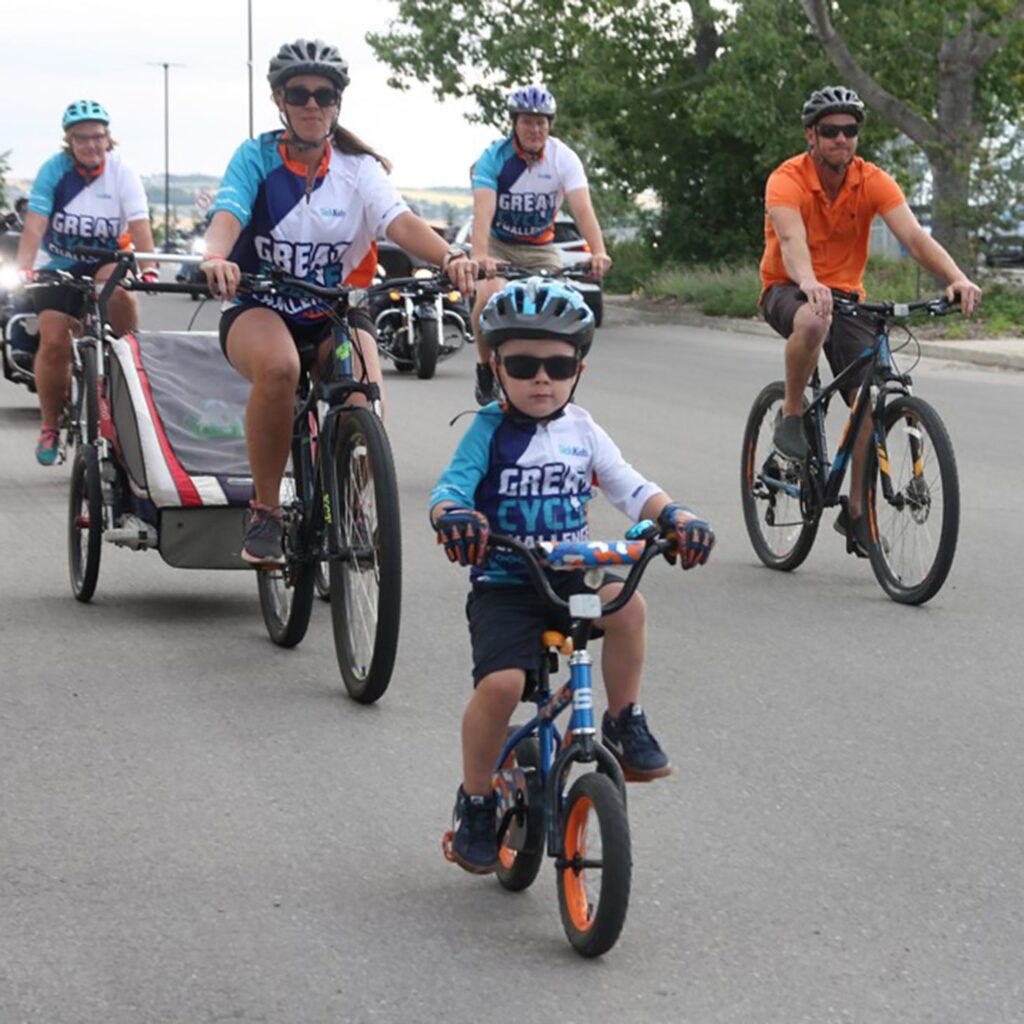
55, 51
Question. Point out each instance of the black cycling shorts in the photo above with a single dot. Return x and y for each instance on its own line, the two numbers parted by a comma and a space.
307, 337
506, 623
58, 298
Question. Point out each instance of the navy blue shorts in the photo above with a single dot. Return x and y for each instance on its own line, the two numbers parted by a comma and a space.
506, 623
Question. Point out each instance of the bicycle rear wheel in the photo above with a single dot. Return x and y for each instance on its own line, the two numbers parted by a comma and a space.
517, 869
85, 522
595, 872
366, 562
913, 536
770, 487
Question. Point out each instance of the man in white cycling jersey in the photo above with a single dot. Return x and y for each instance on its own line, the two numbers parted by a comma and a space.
518, 186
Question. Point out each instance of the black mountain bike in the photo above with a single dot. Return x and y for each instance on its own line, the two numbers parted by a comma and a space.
911, 494
342, 510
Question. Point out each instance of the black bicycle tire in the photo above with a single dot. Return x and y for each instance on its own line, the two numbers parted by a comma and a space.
85, 484
770, 394
427, 348
601, 931
368, 683
289, 630
519, 868
936, 576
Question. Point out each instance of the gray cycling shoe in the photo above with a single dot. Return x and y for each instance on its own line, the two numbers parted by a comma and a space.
262, 545
789, 438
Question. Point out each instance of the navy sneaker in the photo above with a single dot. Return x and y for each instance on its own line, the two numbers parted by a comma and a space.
263, 535
486, 386
628, 737
475, 843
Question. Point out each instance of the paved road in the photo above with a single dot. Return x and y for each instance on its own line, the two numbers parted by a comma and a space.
196, 826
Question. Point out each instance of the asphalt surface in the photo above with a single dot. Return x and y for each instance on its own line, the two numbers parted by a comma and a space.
196, 826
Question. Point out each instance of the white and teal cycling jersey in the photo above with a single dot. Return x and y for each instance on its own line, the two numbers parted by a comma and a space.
534, 481
326, 235
84, 209
529, 192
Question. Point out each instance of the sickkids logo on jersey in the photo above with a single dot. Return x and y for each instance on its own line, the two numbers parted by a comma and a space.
83, 226
331, 211
302, 259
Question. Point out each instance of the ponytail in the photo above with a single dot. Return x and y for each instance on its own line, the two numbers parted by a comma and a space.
345, 142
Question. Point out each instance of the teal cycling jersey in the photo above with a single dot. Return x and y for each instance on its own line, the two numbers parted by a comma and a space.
83, 208
529, 192
324, 233
534, 481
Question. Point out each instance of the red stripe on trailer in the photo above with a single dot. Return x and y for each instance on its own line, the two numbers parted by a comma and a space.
182, 481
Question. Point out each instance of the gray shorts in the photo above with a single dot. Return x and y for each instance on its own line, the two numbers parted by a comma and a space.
847, 338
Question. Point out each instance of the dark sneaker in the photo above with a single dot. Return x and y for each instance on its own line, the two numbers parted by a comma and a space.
475, 843
789, 438
637, 751
48, 446
262, 545
486, 385
858, 542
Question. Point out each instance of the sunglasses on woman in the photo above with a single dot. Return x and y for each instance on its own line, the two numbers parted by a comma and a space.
833, 131
527, 367
298, 96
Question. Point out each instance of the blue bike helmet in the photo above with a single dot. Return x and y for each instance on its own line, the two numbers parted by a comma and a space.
531, 99
84, 110
538, 307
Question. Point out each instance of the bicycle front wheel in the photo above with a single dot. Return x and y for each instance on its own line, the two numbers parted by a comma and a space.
770, 488
596, 869
85, 522
913, 534
366, 556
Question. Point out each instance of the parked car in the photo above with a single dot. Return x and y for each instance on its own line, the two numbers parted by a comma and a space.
574, 251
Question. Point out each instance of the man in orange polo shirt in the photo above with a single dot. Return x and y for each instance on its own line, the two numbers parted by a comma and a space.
819, 208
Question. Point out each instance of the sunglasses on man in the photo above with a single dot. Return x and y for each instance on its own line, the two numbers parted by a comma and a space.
527, 367
833, 131
298, 96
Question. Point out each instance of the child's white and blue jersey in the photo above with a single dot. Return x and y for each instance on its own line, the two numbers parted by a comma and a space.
81, 209
327, 237
529, 192
534, 481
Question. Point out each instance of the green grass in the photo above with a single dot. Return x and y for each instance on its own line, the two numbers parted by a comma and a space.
734, 290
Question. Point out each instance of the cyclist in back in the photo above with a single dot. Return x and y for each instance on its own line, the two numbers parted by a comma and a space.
819, 208
526, 468
85, 195
518, 186
309, 200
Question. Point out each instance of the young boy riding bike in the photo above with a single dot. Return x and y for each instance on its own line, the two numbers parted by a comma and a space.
526, 468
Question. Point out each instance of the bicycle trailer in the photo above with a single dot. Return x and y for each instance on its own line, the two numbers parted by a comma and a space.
175, 414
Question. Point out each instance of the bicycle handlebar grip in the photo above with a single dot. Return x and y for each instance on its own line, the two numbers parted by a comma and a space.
581, 554
99, 253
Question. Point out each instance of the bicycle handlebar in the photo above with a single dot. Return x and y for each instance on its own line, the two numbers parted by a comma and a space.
938, 306
512, 272
569, 555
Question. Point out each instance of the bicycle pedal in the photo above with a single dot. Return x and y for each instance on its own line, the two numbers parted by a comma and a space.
446, 846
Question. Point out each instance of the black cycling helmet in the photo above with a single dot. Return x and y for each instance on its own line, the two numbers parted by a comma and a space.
832, 99
538, 308
308, 57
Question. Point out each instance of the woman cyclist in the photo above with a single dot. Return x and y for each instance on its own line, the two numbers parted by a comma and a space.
85, 195
309, 199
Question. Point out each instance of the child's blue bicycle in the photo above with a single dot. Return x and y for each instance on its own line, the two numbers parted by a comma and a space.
584, 827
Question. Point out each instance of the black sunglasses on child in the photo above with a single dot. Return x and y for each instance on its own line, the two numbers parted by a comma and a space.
833, 131
527, 367
298, 96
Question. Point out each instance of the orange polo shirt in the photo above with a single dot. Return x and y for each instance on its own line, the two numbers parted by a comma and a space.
838, 232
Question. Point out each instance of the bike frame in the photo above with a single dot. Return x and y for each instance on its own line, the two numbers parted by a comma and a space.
556, 757
878, 384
